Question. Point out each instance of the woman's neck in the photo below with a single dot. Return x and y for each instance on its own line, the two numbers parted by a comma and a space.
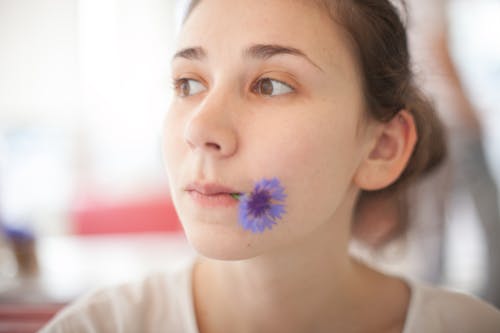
265, 293
234, 299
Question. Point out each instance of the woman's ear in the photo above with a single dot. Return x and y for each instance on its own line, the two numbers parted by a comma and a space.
388, 157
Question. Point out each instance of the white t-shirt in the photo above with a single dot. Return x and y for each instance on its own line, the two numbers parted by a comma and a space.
164, 303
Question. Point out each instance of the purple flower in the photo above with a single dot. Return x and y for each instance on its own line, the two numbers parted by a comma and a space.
263, 206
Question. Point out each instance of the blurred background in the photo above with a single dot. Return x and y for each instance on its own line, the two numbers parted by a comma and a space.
84, 86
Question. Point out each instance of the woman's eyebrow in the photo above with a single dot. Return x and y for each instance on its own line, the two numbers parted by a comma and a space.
258, 51
191, 53
266, 51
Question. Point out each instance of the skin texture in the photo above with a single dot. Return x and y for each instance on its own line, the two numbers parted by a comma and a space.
313, 136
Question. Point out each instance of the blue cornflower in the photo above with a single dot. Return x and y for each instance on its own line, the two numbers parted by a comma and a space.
261, 208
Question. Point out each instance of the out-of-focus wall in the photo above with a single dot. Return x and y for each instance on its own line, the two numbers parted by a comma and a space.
38, 59
84, 86
474, 43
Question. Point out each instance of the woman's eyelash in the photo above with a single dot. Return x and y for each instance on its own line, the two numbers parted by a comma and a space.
265, 86
271, 79
177, 82
185, 87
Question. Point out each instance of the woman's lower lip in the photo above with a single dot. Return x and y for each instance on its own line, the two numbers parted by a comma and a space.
213, 200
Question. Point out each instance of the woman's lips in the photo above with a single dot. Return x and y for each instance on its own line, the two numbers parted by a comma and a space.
212, 194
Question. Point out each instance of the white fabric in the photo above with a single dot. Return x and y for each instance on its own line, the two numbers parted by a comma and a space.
164, 303
435, 310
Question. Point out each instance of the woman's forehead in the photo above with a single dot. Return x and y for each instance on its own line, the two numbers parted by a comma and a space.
269, 17
233, 26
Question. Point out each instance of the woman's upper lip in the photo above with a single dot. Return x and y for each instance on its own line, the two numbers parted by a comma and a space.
209, 188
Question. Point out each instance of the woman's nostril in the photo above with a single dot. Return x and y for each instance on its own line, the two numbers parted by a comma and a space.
213, 145
212, 135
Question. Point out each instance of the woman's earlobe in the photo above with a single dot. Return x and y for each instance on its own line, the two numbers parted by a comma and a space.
390, 154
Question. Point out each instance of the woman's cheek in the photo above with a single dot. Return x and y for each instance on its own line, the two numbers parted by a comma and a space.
289, 152
313, 159
173, 144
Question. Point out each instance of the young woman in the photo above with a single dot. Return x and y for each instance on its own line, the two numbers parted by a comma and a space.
288, 115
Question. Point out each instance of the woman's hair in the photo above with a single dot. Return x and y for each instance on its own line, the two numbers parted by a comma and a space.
379, 40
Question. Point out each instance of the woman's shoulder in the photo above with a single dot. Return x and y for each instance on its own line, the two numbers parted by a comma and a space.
158, 300
439, 310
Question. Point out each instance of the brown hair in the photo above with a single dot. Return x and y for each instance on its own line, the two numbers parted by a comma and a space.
379, 39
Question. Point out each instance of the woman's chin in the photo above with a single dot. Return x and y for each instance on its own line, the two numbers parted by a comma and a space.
223, 242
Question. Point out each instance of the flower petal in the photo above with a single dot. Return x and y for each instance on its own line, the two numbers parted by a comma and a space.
258, 210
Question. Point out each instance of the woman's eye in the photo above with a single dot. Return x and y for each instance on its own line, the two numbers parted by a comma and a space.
188, 87
270, 87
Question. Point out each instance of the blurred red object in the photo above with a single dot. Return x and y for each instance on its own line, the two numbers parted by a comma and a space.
26, 318
142, 216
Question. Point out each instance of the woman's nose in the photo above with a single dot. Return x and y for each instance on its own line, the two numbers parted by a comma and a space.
211, 130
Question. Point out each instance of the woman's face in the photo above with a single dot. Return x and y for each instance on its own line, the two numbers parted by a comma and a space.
264, 89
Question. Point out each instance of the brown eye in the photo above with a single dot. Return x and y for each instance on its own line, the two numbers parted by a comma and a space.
184, 88
188, 87
265, 87
270, 87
